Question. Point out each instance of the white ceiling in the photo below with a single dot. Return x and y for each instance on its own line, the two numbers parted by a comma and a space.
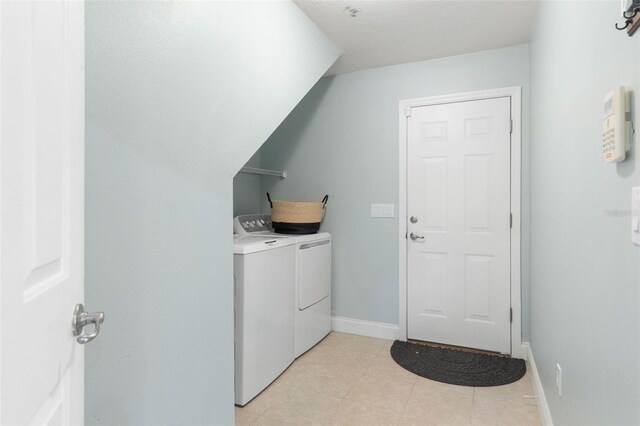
388, 32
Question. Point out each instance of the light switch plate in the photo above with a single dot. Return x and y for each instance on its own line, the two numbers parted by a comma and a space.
635, 215
383, 210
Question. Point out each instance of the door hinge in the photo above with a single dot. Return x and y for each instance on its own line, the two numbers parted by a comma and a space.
407, 112
510, 220
510, 125
511, 315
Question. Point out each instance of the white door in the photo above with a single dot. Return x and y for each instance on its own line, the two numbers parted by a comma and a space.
458, 208
41, 211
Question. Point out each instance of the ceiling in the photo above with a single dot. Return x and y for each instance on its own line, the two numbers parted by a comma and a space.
388, 32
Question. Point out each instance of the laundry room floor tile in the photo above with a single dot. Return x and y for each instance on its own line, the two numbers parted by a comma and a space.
245, 418
272, 395
520, 390
384, 366
333, 380
427, 406
352, 380
304, 406
364, 414
382, 391
336, 356
492, 411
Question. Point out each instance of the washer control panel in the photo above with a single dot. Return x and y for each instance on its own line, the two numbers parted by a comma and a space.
252, 223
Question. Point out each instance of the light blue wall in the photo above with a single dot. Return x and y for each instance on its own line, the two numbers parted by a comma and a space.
178, 96
246, 190
342, 139
585, 273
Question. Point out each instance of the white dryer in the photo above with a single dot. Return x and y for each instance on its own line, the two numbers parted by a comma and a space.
264, 291
312, 260
313, 289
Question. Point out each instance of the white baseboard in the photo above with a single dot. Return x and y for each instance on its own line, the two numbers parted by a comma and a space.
366, 328
538, 390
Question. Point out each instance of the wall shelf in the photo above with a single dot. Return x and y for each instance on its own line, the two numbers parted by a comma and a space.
264, 172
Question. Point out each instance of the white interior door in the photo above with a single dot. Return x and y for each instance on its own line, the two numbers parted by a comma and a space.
458, 178
41, 211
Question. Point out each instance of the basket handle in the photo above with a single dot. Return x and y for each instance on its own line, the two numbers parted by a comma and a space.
269, 198
324, 200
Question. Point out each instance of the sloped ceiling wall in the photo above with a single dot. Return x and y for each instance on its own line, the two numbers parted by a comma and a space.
179, 95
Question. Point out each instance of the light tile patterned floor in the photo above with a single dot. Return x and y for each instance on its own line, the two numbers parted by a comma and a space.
352, 380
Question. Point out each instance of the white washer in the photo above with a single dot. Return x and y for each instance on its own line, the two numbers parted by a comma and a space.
264, 291
313, 279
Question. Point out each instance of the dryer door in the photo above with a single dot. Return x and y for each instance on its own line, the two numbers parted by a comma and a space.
314, 275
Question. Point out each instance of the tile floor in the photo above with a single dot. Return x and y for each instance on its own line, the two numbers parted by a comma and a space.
352, 380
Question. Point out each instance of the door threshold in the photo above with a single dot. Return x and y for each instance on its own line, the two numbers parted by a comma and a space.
458, 348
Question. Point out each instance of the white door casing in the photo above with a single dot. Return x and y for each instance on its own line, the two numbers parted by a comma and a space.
41, 211
458, 189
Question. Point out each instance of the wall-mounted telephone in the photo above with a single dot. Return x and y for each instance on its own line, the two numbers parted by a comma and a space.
616, 134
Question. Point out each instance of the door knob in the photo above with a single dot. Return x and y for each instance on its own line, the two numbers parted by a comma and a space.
413, 219
415, 236
81, 319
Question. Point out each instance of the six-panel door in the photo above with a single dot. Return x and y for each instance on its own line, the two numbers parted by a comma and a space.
41, 211
459, 191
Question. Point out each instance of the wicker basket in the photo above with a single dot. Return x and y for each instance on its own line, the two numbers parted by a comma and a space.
297, 217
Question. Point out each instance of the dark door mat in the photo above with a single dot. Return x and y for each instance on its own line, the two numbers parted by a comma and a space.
457, 367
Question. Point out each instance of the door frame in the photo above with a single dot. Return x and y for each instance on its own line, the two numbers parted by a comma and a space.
405, 105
